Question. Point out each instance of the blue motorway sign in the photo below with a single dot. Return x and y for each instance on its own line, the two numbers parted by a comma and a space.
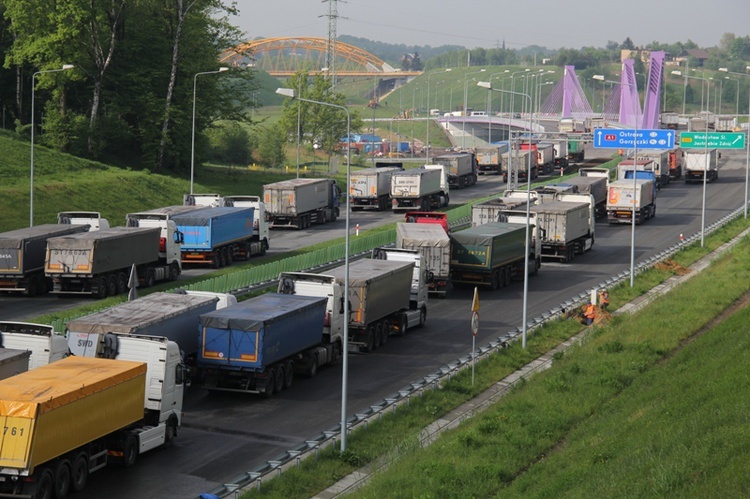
613, 138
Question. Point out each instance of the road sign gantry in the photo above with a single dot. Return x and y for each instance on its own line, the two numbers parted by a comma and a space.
712, 140
614, 138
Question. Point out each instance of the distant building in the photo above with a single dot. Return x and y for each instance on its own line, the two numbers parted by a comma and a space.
699, 55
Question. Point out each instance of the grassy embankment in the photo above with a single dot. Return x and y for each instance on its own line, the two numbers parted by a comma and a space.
628, 411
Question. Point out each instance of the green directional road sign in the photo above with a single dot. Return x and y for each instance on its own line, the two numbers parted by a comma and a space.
716, 140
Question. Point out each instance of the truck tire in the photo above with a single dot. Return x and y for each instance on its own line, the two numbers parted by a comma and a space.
312, 369
280, 378
122, 283
270, 383
507, 273
31, 286
385, 331
403, 325
63, 478
80, 472
43, 488
422, 316
288, 374
112, 285
150, 277
174, 271
494, 280
171, 431
130, 451
101, 287
377, 335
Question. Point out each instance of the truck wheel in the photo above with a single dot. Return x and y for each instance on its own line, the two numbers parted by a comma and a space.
403, 325
385, 331
80, 472
171, 432
288, 374
112, 285
31, 286
101, 285
43, 488
62, 478
369, 340
150, 277
377, 334
506, 276
280, 379
312, 370
122, 283
174, 272
422, 316
130, 451
494, 280
270, 383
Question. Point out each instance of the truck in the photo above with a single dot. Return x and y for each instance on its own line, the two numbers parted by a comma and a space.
670, 120
570, 125
549, 192
371, 189
559, 153
217, 236
644, 169
419, 189
592, 181
379, 300
258, 345
91, 218
428, 217
622, 197
13, 362
493, 254
566, 226
518, 162
490, 159
545, 155
460, 168
72, 417
434, 246
261, 235
99, 263
490, 210
725, 122
41, 340
22, 253
173, 316
576, 149
700, 163
675, 163
660, 158
300, 202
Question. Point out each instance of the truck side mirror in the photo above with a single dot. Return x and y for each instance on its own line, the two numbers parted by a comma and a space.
179, 237
341, 305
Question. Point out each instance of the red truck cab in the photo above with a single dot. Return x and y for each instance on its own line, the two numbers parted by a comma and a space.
428, 217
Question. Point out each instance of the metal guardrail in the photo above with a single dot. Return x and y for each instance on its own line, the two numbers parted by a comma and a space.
313, 445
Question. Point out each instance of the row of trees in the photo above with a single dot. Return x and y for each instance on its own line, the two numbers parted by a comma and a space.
129, 98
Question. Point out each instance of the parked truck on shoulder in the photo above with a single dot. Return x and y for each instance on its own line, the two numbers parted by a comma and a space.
99, 263
434, 246
371, 189
379, 297
700, 163
258, 345
72, 417
493, 254
299, 203
22, 254
490, 159
460, 168
419, 189
621, 199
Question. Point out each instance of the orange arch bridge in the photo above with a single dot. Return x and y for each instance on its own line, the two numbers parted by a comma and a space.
286, 55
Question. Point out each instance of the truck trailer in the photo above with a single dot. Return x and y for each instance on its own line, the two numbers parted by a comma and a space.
492, 254
379, 297
72, 417
99, 263
22, 253
700, 163
299, 203
419, 189
517, 162
592, 181
490, 159
217, 236
565, 226
258, 345
621, 199
371, 189
545, 155
40, 340
171, 315
460, 168
13, 362
490, 210
434, 246
660, 158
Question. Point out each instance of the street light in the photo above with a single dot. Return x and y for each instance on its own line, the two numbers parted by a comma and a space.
747, 153
635, 183
737, 100
705, 153
466, 104
489, 102
513, 89
429, 116
488, 86
289, 92
192, 140
64, 67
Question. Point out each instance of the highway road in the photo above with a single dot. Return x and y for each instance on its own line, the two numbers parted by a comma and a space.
226, 434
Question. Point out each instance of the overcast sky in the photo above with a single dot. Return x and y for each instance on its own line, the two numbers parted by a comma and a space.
485, 23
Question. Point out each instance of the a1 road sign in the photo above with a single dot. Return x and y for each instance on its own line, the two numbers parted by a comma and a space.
712, 140
613, 138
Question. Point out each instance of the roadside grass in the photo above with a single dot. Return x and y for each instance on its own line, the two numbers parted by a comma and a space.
492, 451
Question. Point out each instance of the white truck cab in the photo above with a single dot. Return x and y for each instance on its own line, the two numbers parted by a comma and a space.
170, 239
40, 339
260, 225
91, 218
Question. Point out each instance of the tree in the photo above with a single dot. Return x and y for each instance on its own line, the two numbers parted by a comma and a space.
230, 143
416, 63
627, 44
271, 145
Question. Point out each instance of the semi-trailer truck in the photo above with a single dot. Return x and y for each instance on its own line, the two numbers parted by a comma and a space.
700, 163
419, 189
490, 159
99, 263
517, 163
299, 203
72, 417
592, 181
622, 197
371, 189
545, 155
490, 210
22, 253
434, 246
460, 168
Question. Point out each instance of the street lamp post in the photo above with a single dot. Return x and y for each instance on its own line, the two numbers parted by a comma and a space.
64, 67
737, 98
488, 86
289, 92
429, 116
192, 140
513, 89
489, 102
747, 152
466, 104
705, 153
635, 183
